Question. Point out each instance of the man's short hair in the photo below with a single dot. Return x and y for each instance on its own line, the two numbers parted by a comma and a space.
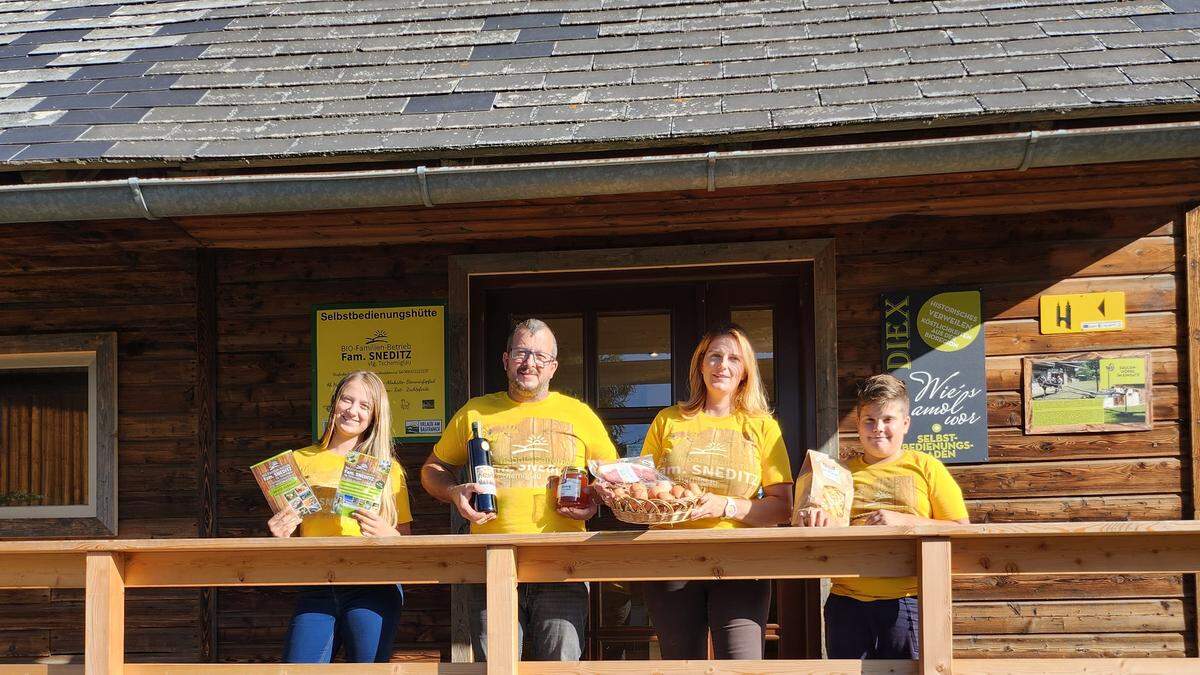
531, 326
882, 389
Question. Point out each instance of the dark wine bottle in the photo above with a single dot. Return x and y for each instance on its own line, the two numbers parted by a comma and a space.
479, 455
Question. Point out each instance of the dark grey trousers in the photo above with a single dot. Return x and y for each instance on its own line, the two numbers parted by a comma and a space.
683, 613
555, 616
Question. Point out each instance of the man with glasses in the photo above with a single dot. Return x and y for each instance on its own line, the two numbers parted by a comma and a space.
534, 433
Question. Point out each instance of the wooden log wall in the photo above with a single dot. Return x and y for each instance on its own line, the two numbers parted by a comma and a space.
265, 297
1015, 235
136, 279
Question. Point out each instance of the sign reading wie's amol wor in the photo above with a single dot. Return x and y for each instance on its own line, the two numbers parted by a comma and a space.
933, 341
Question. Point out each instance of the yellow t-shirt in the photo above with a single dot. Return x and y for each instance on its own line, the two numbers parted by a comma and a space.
531, 443
733, 455
323, 471
916, 484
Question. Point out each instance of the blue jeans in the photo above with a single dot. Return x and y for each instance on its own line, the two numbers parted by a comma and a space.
880, 629
363, 618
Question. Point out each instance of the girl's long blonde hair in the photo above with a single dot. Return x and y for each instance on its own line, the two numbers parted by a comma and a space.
377, 439
750, 398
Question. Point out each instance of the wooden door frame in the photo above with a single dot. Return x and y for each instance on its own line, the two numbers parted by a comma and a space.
818, 252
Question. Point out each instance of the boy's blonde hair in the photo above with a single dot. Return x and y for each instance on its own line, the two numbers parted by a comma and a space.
881, 389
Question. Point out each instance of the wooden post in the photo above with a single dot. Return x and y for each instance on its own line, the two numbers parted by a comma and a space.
933, 593
104, 615
503, 641
1192, 261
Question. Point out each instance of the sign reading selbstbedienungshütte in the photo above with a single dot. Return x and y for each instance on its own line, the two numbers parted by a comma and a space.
405, 345
933, 341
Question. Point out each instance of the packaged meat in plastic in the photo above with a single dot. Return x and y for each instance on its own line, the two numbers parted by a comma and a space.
627, 471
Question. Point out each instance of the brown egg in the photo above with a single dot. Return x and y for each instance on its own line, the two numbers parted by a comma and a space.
638, 491
677, 491
695, 488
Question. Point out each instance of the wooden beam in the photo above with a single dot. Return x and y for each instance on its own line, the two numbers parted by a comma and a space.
503, 630
206, 437
773, 667
731, 560
1076, 555
458, 346
104, 615
825, 346
937, 622
430, 668
1192, 239
1192, 257
266, 568
51, 570
1008, 666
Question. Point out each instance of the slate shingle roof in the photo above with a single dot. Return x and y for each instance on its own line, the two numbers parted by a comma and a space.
210, 79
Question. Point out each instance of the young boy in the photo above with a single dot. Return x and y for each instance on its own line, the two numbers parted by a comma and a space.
876, 618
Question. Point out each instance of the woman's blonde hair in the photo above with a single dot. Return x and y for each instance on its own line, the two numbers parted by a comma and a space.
377, 439
750, 397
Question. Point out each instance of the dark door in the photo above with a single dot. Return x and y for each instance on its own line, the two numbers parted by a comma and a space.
624, 347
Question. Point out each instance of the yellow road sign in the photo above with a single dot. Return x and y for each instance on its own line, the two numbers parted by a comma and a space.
1083, 312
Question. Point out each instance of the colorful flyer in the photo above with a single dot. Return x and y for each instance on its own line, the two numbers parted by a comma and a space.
282, 484
362, 483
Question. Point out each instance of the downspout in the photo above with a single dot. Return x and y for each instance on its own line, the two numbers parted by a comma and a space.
428, 186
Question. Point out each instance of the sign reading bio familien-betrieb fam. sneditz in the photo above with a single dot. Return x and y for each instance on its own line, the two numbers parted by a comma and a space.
404, 344
933, 340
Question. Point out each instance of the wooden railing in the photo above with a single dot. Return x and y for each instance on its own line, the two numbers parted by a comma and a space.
933, 554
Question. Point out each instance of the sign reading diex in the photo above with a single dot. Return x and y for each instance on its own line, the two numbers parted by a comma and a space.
404, 344
933, 341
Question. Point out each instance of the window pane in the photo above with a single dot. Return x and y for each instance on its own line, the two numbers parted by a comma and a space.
760, 328
634, 367
568, 332
43, 437
628, 438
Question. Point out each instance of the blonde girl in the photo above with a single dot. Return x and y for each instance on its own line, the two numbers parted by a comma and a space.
362, 618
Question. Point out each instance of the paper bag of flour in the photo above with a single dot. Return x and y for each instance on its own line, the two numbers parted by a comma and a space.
824, 483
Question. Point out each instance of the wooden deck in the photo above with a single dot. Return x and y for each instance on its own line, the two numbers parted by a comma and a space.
934, 554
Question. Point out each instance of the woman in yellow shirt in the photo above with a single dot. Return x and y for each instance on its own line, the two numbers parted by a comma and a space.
724, 439
363, 618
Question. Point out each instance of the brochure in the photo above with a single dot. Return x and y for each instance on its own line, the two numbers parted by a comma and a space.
282, 484
361, 486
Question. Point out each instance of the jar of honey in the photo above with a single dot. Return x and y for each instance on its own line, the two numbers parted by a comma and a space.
571, 492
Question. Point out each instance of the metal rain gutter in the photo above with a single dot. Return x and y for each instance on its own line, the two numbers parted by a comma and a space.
430, 186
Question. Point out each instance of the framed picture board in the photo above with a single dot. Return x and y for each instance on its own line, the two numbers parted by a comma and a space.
1095, 391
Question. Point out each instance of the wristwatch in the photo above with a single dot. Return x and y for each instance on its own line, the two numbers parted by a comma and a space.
730, 507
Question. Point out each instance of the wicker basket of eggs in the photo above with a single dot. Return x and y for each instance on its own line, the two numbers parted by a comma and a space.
637, 493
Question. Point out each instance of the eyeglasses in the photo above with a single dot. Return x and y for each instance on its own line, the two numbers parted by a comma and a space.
540, 358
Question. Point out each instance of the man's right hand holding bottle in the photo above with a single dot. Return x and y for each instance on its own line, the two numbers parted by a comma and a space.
460, 497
